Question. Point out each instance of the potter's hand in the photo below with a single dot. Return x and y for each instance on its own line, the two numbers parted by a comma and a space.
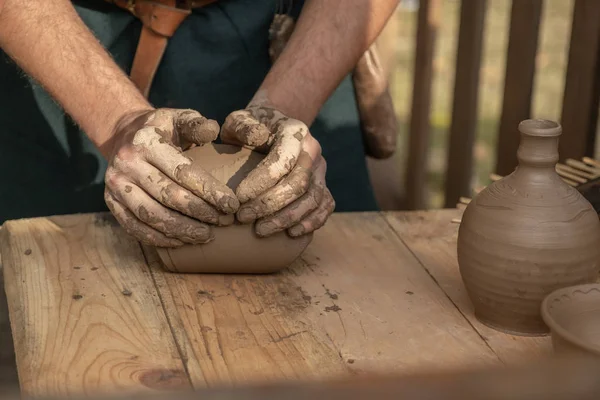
287, 190
153, 189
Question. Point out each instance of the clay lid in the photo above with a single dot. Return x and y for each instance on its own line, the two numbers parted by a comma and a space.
540, 128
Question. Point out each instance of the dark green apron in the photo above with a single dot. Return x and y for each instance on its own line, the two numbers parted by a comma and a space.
214, 64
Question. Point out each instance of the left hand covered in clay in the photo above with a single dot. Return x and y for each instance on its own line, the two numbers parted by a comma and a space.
287, 190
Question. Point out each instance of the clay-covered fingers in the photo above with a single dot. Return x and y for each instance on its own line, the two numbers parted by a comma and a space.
179, 168
170, 194
137, 228
148, 211
292, 214
317, 218
291, 187
193, 127
281, 159
183, 127
243, 129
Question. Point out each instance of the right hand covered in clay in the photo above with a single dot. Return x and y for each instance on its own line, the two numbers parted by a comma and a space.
287, 190
153, 189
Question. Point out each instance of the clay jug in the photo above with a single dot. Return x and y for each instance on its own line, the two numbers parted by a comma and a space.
525, 236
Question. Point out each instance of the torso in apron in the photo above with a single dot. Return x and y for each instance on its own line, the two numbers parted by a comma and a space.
214, 63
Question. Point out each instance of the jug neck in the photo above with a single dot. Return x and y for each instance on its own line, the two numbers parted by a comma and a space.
539, 144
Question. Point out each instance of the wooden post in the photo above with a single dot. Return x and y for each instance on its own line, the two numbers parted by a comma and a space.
518, 83
582, 84
464, 110
416, 171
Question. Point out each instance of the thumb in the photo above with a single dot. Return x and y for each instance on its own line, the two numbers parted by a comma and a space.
241, 128
194, 128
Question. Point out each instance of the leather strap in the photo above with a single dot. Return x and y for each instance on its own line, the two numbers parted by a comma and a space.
160, 18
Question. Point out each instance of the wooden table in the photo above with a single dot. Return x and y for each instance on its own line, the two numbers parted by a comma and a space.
92, 312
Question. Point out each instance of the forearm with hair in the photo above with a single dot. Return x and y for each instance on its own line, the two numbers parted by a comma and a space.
329, 39
49, 41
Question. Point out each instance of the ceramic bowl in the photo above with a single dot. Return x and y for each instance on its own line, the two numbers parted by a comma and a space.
236, 249
573, 316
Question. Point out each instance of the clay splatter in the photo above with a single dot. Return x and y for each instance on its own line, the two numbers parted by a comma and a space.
305, 295
332, 296
27, 252
209, 295
77, 297
126, 292
408, 292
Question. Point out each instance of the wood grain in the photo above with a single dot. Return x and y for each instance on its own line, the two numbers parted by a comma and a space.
8, 368
356, 301
523, 39
428, 23
556, 379
84, 311
431, 236
582, 84
459, 164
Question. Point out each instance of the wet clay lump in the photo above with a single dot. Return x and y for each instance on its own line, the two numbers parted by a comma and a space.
236, 248
525, 236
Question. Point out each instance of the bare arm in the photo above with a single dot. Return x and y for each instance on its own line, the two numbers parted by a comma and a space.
287, 190
327, 42
53, 45
152, 188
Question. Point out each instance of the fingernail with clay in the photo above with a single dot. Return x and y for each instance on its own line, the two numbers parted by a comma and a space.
233, 204
226, 220
246, 214
296, 231
265, 228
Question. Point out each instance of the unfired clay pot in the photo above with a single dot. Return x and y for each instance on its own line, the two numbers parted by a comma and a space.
236, 248
525, 236
573, 315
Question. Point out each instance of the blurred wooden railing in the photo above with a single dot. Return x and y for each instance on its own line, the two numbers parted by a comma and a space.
580, 100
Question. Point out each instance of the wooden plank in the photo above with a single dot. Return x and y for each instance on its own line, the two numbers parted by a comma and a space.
582, 84
431, 236
518, 82
356, 301
416, 172
84, 310
8, 368
555, 379
464, 109
237, 330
